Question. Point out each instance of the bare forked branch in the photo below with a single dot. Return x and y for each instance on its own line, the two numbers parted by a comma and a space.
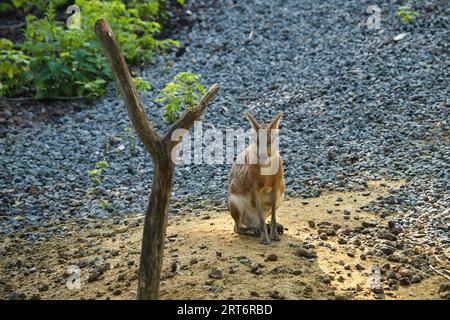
160, 150
143, 127
136, 112
186, 121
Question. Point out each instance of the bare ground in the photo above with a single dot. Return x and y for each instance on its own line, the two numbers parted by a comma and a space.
201, 241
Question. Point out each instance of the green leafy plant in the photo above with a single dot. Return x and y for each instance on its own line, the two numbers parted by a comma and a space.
106, 147
181, 94
149, 9
353, 99
102, 164
70, 61
406, 14
141, 84
152, 9
13, 68
205, 202
104, 203
64, 62
95, 174
6, 6
134, 35
91, 190
26, 5
131, 137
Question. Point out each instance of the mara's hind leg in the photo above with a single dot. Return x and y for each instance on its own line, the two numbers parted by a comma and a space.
238, 228
237, 217
273, 221
255, 232
251, 231
264, 235
280, 228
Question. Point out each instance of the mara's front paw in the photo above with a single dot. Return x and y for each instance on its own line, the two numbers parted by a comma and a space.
274, 236
264, 239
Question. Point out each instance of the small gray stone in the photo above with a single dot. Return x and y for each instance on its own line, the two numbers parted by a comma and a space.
302, 252
272, 257
216, 274
42, 287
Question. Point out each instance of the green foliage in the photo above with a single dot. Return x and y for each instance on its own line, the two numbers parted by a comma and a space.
64, 62
152, 9
70, 61
353, 98
96, 173
91, 190
26, 5
13, 66
134, 35
131, 137
95, 176
6, 6
149, 9
141, 84
181, 94
406, 14
205, 202
102, 164
104, 203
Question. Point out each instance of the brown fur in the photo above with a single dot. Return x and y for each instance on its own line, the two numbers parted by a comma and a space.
247, 186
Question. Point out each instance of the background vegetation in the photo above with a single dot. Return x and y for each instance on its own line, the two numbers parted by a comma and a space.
55, 60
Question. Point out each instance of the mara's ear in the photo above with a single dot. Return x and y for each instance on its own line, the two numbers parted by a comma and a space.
273, 125
252, 120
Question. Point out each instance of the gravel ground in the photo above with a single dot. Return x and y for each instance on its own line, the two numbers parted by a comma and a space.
357, 105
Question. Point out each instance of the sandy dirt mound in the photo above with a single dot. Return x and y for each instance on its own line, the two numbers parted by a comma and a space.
205, 259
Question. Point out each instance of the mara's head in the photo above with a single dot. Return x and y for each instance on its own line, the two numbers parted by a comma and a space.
265, 136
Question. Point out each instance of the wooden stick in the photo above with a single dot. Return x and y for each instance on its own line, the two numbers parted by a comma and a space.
439, 272
156, 215
144, 129
186, 121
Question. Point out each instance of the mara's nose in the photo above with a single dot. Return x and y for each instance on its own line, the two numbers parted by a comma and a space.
263, 159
